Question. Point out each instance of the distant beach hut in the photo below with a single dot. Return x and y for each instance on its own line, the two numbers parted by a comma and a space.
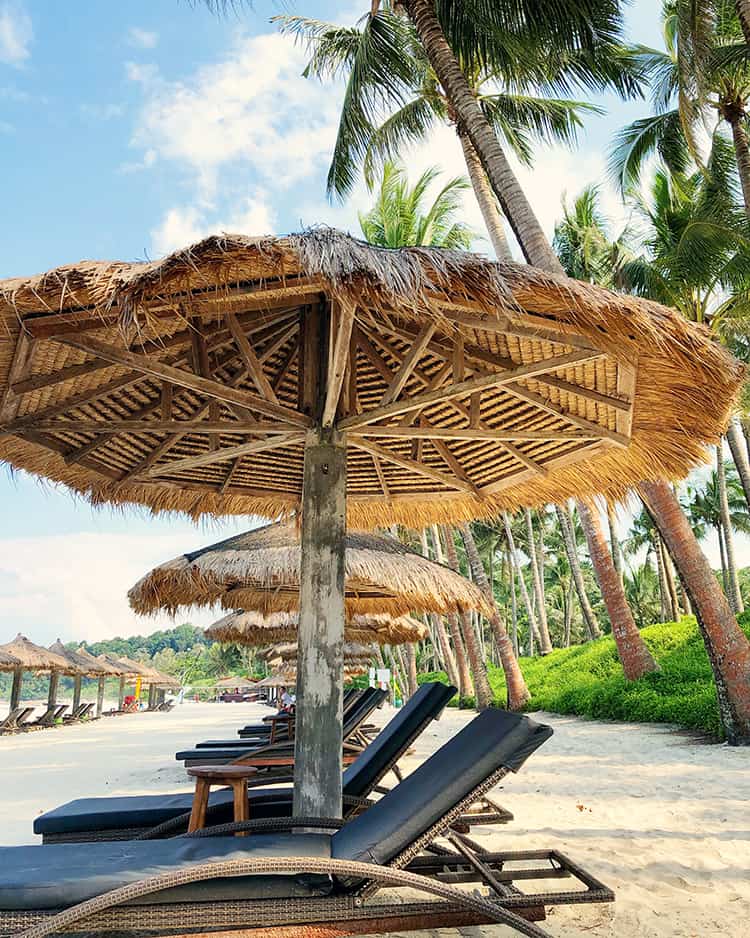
38, 659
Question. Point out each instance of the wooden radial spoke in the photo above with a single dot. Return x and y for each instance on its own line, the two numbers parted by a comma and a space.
18, 368
466, 388
222, 455
408, 364
427, 432
342, 324
435, 475
251, 360
185, 379
453, 464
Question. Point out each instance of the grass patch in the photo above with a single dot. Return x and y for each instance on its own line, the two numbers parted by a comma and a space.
587, 680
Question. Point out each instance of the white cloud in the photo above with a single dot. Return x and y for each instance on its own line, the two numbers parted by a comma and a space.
186, 224
16, 33
142, 38
74, 586
249, 121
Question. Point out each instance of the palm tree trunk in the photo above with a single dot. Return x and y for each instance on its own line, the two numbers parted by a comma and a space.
465, 687
493, 220
574, 561
511, 196
723, 558
411, 668
743, 14
745, 424
482, 690
545, 645
663, 592
613, 542
513, 603
739, 455
438, 630
742, 154
568, 612
518, 692
728, 648
524, 591
671, 585
735, 597
634, 655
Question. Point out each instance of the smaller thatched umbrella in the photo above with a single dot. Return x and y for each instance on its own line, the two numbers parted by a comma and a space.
355, 654
105, 670
34, 658
83, 668
124, 668
253, 628
260, 570
8, 662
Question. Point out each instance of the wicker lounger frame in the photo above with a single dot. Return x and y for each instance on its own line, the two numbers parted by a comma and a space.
352, 913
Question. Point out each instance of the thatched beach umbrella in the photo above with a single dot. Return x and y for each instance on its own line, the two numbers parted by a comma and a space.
315, 373
354, 653
35, 658
255, 629
86, 666
260, 570
8, 662
105, 670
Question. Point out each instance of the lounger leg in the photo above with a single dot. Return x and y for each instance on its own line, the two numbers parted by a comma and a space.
200, 805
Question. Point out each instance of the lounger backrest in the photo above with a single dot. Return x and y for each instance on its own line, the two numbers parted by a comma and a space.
493, 740
395, 738
371, 699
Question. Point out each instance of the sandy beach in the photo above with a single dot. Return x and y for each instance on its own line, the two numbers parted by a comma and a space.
662, 818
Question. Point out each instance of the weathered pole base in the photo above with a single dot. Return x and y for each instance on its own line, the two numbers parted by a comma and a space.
318, 740
76, 693
121, 696
100, 697
54, 679
15, 691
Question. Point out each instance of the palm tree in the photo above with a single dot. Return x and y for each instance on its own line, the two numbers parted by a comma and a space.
400, 215
641, 586
568, 533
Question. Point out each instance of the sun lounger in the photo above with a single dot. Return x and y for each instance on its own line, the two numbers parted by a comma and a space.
319, 883
16, 720
127, 817
50, 717
82, 712
216, 756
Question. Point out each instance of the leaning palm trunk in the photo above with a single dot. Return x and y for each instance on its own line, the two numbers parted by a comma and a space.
635, 657
743, 14
411, 668
727, 647
465, 687
545, 645
574, 561
482, 690
463, 102
493, 220
733, 583
513, 602
518, 692
438, 630
528, 606
671, 585
613, 542
740, 458
664, 613
742, 154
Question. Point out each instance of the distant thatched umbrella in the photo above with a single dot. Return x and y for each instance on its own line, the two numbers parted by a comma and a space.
86, 666
321, 376
230, 681
354, 653
34, 658
106, 670
260, 570
255, 629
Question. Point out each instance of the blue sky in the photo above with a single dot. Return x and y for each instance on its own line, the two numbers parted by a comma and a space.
129, 129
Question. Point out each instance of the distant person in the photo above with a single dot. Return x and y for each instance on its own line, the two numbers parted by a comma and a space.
287, 700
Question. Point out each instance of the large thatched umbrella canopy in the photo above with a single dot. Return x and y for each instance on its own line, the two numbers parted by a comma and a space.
253, 628
260, 570
314, 372
36, 658
81, 665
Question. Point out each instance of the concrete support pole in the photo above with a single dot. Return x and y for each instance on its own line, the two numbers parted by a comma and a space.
54, 680
15, 691
100, 697
77, 691
318, 741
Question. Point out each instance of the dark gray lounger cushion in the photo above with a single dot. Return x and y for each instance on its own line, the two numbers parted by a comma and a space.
492, 740
61, 875
144, 811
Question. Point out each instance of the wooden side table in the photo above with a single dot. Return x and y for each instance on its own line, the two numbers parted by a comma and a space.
206, 776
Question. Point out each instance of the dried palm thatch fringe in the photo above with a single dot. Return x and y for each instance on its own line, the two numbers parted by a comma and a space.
8, 662
354, 653
36, 658
259, 570
107, 669
254, 629
88, 666
685, 391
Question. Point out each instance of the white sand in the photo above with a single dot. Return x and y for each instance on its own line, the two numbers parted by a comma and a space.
662, 819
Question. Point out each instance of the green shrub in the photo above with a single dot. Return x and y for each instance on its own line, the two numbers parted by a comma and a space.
587, 680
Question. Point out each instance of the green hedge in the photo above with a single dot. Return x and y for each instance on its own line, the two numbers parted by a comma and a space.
587, 680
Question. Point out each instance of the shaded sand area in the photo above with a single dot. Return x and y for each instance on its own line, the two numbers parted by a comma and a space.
659, 816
